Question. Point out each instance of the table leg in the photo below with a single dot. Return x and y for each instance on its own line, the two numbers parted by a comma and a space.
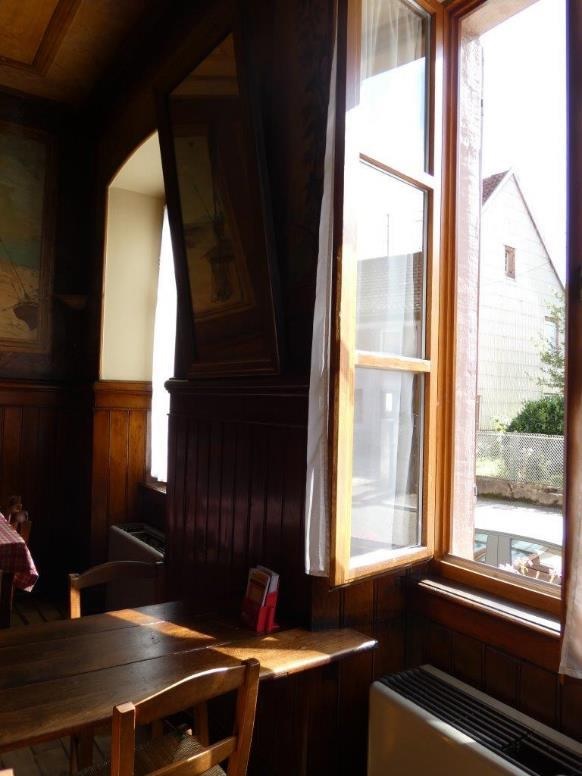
6, 593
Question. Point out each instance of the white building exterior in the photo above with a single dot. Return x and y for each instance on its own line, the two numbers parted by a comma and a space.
518, 283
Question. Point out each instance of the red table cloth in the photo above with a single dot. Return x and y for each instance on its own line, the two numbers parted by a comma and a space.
15, 557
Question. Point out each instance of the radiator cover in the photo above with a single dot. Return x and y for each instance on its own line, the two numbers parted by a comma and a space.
424, 721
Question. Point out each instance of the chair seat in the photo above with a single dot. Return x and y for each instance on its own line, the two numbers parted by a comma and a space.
157, 753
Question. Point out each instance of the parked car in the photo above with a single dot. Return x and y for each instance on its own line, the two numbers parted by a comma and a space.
520, 539
520, 554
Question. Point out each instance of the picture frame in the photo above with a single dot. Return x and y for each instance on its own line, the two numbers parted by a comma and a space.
27, 234
229, 320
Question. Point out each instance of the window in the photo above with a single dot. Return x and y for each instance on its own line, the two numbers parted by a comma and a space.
163, 356
510, 261
425, 329
385, 392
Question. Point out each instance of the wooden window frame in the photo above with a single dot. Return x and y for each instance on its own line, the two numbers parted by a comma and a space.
440, 328
520, 590
345, 358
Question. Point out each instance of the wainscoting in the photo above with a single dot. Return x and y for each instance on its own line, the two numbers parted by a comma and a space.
119, 462
516, 664
44, 457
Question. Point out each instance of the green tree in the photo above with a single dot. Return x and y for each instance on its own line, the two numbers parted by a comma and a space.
540, 416
552, 350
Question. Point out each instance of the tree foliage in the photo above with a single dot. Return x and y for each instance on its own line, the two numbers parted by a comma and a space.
540, 416
552, 351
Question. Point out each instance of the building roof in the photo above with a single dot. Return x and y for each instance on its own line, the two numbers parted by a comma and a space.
491, 183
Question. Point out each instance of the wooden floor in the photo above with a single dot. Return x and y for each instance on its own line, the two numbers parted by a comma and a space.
52, 757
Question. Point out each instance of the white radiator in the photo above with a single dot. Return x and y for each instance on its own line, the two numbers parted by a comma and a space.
424, 721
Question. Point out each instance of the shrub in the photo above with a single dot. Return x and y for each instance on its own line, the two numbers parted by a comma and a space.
540, 416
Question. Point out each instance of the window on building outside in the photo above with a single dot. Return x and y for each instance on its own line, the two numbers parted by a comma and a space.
510, 261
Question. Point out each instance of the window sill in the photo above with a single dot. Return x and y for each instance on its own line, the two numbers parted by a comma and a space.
519, 591
516, 629
155, 485
525, 616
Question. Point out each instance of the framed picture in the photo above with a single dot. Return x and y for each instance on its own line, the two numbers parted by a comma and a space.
220, 219
27, 219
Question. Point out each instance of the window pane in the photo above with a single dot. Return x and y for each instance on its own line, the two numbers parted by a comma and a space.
391, 265
509, 406
393, 94
387, 463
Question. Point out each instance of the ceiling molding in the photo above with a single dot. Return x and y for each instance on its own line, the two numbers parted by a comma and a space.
51, 39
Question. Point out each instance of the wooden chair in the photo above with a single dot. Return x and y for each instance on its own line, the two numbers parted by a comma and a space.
181, 753
108, 572
81, 753
24, 529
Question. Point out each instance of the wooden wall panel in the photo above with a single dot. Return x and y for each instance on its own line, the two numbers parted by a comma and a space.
514, 663
44, 434
120, 422
236, 495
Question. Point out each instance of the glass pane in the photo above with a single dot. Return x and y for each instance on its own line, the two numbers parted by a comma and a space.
391, 265
387, 464
510, 314
393, 93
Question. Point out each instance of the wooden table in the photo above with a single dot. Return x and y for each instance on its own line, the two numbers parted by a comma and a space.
56, 678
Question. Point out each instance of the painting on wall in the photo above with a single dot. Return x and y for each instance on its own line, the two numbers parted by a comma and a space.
218, 271
219, 211
26, 238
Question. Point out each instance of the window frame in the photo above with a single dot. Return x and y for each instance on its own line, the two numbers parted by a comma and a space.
343, 352
440, 327
518, 589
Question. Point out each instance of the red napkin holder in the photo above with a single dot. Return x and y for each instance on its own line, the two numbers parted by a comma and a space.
261, 618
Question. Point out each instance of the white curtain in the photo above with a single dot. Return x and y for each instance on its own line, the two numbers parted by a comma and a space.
317, 496
163, 358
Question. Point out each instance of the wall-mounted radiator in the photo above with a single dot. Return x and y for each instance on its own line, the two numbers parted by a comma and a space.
426, 722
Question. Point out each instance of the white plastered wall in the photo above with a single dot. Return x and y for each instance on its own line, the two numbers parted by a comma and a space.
132, 251
134, 228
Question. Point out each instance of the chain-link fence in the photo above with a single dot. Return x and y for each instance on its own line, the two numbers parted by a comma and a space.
521, 457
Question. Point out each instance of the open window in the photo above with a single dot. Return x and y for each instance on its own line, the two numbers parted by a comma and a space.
384, 393
440, 347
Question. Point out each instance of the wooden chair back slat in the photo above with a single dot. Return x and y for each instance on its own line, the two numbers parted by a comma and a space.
186, 694
108, 572
206, 685
200, 763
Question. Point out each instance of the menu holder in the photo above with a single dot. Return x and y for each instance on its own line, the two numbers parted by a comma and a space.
260, 601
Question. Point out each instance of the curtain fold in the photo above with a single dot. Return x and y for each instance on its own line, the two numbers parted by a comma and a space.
163, 357
317, 487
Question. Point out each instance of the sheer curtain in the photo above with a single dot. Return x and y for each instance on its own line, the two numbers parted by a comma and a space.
317, 496
163, 357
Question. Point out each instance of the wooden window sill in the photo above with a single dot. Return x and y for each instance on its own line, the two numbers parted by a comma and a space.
154, 485
523, 615
518, 630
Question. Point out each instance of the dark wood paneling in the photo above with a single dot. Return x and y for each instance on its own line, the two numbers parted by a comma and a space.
515, 663
236, 495
44, 436
120, 420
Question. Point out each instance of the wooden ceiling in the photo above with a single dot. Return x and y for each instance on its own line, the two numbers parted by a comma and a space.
58, 49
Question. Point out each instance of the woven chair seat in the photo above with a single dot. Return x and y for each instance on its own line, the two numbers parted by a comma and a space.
157, 753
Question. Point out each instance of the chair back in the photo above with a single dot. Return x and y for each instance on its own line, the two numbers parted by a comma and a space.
24, 528
107, 572
190, 692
